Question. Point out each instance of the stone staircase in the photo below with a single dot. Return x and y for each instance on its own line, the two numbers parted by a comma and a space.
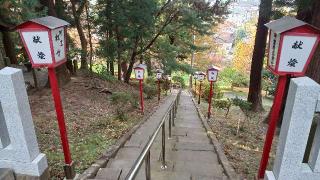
189, 152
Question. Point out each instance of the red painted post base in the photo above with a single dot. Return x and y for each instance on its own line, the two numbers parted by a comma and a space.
141, 97
199, 100
273, 119
61, 122
210, 99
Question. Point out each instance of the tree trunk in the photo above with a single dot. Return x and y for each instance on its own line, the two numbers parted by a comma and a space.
124, 67
149, 66
89, 35
314, 66
84, 52
9, 47
132, 61
63, 75
254, 95
112, 67
119, 49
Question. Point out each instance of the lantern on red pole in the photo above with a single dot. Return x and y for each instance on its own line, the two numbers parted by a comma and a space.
45, 42
159, 77
212, 75
201, 76
139, 73
292, 44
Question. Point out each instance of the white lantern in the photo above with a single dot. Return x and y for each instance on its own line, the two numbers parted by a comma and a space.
45, 41
139, 72
201, 76
159, 73
212, 74
292, 44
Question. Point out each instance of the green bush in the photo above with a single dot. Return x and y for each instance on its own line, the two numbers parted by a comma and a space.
217, 93
124, 102
180, 80
269, 82
103, 73
150, 90
123, 99
233, 78
223, 104
244, 105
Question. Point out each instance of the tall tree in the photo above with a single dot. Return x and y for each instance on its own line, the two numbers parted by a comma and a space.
77, 9
254, 95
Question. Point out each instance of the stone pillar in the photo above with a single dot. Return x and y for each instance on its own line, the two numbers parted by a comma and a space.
18, 148
301, 105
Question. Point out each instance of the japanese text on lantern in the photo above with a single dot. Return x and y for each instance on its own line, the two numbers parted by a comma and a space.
38, 46
58, 38
295, 52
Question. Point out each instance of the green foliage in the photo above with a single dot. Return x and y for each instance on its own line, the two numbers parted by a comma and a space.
217, 93
150, 90
102, 72
244, 105
124, 102
233, 78
223, 104
180, 80
269, 82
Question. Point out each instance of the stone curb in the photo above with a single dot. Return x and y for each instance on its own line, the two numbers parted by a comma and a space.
229, 171
102, 162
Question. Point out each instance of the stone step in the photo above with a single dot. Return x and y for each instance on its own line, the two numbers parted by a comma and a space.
205, 169
109, 174
193, 146
6, 174
163, 175
128, 153
197, 177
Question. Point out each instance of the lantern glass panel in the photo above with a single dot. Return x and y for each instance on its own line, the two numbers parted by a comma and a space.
58, 41
139, 73
159, 75
38, 45
273, 49
212, 75
295, 52
201, 77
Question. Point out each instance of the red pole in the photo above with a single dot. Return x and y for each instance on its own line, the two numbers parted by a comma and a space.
210, 98
159, 90
141, 97
273, 119
60, 116
199, 93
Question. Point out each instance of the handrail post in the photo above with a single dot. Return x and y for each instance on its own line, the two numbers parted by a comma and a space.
147, 166
164, 166
170, 120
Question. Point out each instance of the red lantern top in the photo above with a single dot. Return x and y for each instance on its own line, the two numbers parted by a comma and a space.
212, 73
292, 44
45, 41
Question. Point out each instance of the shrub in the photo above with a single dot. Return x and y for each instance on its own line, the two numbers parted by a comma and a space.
223, 104
244, 105
150, 90
123, 99
123, 102
233, 78
180, 80
103, 73
269, 82
217, 93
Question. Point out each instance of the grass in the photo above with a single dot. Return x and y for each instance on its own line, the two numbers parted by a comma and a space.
242, 144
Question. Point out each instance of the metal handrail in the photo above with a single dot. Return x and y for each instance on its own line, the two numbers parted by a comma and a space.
145, 154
